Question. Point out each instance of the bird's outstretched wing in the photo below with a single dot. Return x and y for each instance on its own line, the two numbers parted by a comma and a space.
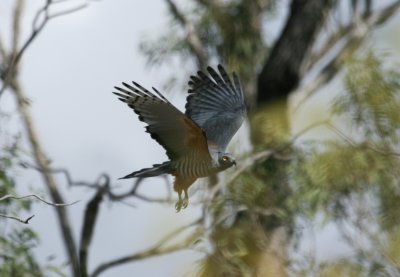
216, 105
172, 129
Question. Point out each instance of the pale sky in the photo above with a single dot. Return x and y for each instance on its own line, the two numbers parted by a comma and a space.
69, 73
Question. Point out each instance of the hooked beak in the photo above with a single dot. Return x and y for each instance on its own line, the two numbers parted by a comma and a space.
234, 162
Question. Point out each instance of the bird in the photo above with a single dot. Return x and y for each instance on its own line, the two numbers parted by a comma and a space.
195, 141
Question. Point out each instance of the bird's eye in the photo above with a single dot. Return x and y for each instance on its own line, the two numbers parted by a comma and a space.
225, 158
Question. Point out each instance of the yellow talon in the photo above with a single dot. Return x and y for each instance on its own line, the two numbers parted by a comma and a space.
185, 201
182, 203
178, 205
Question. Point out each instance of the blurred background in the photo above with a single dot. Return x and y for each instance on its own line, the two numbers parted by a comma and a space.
316, 191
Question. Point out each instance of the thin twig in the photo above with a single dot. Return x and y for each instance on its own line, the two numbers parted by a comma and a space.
354, 144
25, 221
9, 196
156, 250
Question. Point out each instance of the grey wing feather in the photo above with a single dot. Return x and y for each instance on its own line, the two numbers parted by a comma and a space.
216, 105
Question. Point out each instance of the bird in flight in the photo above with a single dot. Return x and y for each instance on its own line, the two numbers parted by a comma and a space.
195, 141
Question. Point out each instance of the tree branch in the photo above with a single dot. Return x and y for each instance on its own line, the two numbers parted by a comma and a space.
351, 142
25, 221
48, 178
67, 176
192, 37
113, 196
89, 223
350, 38
156, 250
15, 56
9, 196
16, 25
284, 67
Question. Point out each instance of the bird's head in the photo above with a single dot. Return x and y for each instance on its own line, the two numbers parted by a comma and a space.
225, 160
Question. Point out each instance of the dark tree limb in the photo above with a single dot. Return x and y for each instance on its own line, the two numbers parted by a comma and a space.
25, 221
89, 222
283, 69
109, 192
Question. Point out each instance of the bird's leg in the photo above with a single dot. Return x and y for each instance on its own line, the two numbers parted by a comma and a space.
182, 184
179, 203
185, 201
182, 203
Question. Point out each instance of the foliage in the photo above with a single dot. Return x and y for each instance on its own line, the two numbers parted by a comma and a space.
18, 259
371, 101
322, 177
230, 32
15, 244
17, 241
354, 179
328, 175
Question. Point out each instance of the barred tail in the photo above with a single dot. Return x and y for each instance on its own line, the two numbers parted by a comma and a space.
156, 170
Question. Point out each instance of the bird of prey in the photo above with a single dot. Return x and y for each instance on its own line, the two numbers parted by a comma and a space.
195, 141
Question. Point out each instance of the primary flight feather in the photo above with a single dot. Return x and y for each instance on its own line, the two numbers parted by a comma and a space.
195, 141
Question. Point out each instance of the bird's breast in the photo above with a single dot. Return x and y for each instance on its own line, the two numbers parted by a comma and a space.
188, 167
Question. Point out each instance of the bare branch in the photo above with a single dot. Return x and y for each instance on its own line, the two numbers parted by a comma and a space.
10, 66
66, 12
192, 37
37, 26
156, 250
95, 185
3, 57
89, 223
48, 178
25, 221
350, 38
152, 200
16, 25
152, 252
330, 44
9, 196
354, 144
66, 174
